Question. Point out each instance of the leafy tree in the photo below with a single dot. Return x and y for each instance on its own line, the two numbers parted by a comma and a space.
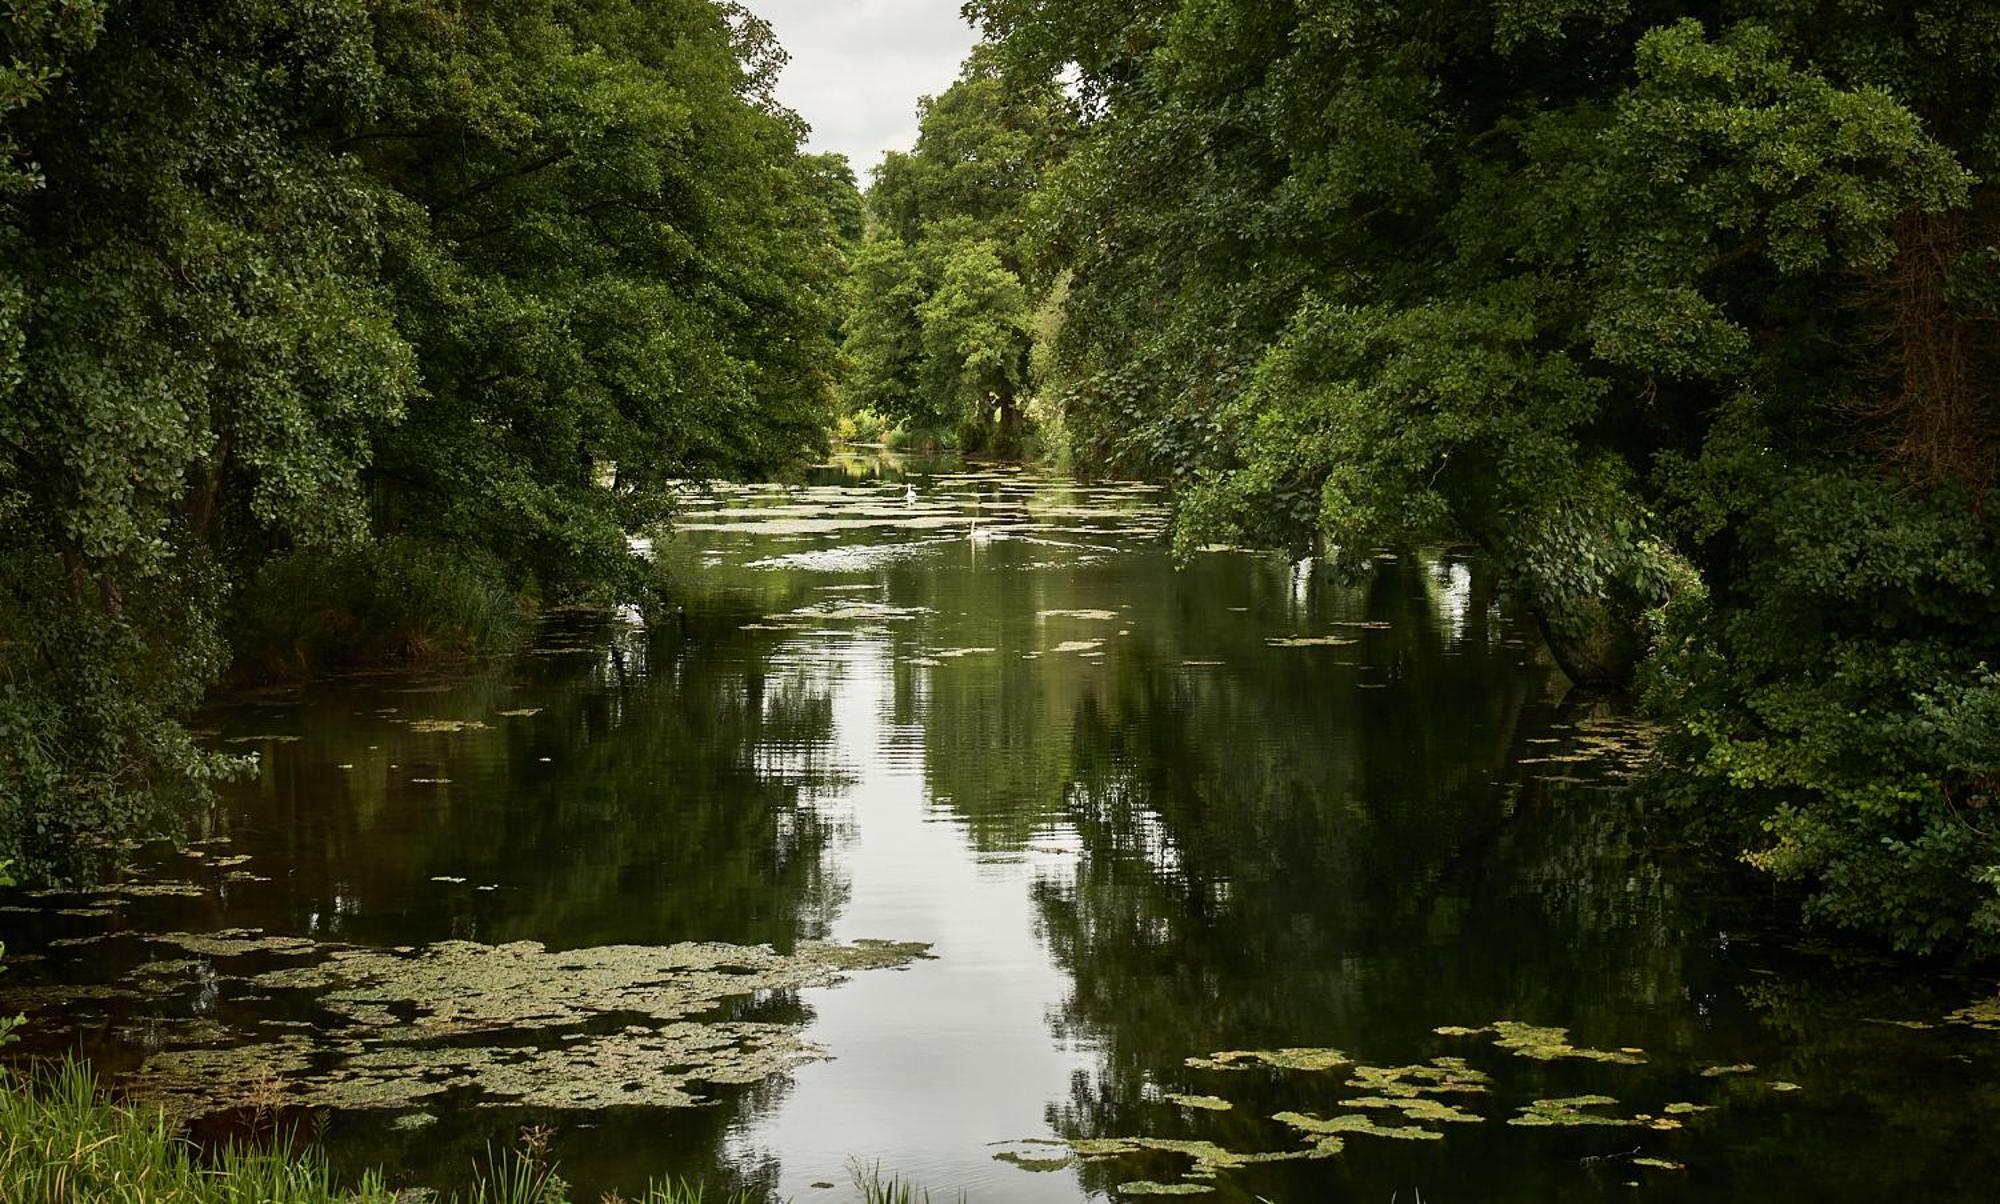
277, 280
602, 273
1684, 312
941, 303
200, 353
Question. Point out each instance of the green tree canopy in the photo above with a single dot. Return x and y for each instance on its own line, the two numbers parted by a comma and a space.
277, 278
941, 301
1666, 306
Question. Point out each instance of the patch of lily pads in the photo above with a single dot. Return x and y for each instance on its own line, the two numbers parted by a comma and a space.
1543, 1044
506, 1025
1294, 1058
1417, 1102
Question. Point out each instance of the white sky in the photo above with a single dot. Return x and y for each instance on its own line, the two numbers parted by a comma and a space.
858, 67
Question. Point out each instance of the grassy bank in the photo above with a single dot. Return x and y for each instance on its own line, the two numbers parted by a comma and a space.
62, 1142
393, 602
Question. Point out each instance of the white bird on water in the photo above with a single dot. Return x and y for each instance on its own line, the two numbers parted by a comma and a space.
909, 495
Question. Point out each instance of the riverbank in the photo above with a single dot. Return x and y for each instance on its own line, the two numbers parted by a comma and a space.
63, 1142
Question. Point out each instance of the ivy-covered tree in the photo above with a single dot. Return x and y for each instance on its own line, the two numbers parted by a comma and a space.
1684, 312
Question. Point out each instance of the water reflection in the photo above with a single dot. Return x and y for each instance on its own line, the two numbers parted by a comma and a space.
1143, 812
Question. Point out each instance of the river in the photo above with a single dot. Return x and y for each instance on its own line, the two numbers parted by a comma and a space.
1230, 877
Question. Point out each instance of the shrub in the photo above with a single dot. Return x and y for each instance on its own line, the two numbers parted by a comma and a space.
399, 601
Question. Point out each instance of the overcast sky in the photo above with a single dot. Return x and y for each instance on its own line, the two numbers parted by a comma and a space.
858, 67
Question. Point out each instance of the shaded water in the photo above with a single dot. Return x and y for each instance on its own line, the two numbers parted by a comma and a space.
1139, 814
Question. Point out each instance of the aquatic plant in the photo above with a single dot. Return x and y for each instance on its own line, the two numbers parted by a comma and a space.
62, 1142
1543, 1044
874, 1188
409, 1025
8, 1023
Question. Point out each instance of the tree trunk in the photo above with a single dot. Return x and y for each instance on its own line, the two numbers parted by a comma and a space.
1007, 442
1594, 644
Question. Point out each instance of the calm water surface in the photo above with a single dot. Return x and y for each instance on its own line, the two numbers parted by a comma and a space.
1133, 822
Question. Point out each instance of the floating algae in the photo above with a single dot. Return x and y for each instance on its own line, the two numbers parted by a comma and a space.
1686, 1109
1207, 1103
1310, 641
1414, 1108
523, 1025
1543, 1044
1716, 1072
1354, 1122
1146, 1187
1982, 1015
235, 942
1208, 1158
1782, 1085
1568, 1112
1659, 1164
158, 890
431, 727
1028, 1162
1293, 1058
1439, 1076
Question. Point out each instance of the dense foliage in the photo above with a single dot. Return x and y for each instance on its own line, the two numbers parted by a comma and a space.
942, 302
1684, 312
279, 279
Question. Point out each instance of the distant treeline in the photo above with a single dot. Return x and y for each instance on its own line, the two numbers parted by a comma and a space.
339, 329
1688, 314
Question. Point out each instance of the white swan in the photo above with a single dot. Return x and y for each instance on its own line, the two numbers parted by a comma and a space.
909, 495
